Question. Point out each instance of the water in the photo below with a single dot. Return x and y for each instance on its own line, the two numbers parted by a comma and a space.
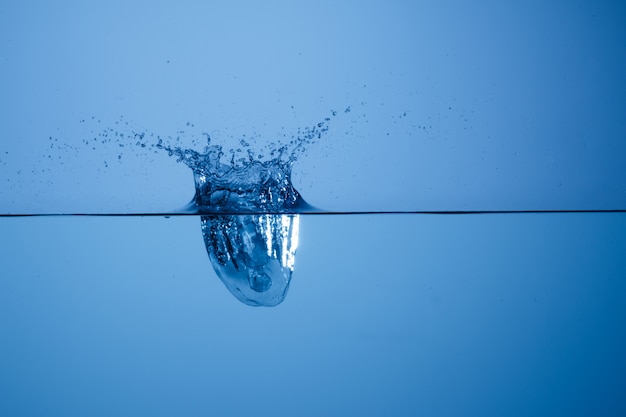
386, 315
254, 255
372, 314
479, 313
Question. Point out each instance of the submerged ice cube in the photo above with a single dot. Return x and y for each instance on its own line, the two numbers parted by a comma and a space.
253, 254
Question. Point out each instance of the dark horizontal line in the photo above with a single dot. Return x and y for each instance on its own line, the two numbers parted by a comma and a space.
335, 213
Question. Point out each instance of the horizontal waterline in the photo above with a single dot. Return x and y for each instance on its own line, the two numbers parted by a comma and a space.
304, 212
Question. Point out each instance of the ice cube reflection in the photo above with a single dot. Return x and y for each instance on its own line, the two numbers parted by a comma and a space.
253, 254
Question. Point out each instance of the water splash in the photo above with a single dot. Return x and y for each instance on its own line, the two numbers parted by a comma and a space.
245, 196
251, 234
249, 184
241, 186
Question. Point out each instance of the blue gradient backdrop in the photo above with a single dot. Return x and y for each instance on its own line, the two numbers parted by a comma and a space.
508, 105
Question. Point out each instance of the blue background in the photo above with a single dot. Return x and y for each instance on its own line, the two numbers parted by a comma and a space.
508, 106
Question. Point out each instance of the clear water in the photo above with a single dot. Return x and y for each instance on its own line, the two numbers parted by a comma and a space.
373, 314
386, 315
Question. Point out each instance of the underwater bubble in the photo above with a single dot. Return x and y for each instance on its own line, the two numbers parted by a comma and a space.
253, 255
